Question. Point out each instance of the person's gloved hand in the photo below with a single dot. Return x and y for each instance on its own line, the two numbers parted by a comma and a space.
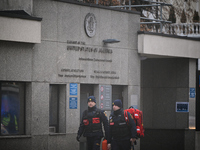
78, 138
133, 140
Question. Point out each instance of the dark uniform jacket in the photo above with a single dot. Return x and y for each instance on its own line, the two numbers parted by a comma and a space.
91, 124
119, 129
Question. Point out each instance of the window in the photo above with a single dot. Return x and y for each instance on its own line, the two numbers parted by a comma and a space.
57, 110
12, 107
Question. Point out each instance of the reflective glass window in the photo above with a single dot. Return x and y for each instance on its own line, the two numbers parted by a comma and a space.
12, 108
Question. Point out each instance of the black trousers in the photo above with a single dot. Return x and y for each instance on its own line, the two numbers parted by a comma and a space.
93, 143
121, 145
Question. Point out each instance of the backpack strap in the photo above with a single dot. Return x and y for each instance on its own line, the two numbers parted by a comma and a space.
126, 117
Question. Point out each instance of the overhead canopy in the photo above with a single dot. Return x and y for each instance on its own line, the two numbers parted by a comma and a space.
161, 45
18, 26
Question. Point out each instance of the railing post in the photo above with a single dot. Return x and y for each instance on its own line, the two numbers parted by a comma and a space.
164, 30
181, 33
195, 29
167, 28
192, 29
178, 30
129, 4
152, 28
170, 29
161, 18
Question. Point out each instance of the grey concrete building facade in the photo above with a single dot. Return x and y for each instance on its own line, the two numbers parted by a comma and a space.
65, 58
55, 53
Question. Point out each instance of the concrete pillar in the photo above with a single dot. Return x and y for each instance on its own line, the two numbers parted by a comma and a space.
192, 101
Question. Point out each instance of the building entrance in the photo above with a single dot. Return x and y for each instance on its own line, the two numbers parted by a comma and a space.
85, 91
117, 91
91, 89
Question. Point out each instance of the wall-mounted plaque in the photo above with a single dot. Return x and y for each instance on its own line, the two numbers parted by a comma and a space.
90, 24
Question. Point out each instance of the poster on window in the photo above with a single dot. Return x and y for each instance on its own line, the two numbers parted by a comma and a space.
182, 106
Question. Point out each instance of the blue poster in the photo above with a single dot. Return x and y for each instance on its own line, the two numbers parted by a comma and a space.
192, 92
73, 88
73, 103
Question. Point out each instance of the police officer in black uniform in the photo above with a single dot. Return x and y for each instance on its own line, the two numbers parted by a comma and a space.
122, 131
91, 125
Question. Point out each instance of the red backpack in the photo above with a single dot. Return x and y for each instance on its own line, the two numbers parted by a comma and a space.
138, 118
